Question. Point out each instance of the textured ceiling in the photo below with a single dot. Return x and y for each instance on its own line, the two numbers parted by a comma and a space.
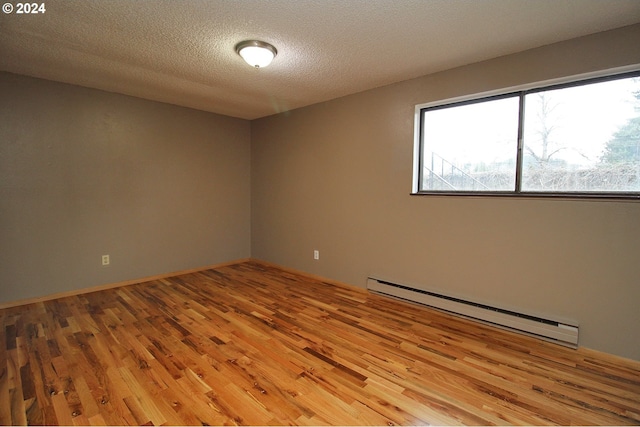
182, 52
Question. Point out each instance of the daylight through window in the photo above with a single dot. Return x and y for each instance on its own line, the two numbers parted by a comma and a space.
580, 139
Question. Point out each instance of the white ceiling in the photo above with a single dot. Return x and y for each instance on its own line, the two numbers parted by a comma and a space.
182, 52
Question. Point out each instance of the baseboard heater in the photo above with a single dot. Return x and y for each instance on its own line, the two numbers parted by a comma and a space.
550, 330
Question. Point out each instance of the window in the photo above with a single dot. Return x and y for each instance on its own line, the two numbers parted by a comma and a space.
575, 139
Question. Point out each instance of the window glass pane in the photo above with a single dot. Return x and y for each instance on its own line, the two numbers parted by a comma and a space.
470, 147
583, 139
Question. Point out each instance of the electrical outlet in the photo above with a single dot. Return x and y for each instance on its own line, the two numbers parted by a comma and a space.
316, 254
105, 260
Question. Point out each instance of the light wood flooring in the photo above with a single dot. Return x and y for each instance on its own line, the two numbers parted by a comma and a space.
251, 344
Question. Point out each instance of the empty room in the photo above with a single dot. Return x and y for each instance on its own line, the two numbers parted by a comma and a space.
320, 212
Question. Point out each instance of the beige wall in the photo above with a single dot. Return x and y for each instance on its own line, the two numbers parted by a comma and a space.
336, 177
85, 173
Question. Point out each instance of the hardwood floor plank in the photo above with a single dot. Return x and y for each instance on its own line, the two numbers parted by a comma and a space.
5, 396
254, 344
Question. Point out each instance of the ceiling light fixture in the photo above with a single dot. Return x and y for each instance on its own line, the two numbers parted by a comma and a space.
256, 53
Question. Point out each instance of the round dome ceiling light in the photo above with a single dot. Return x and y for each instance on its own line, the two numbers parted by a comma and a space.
256, 53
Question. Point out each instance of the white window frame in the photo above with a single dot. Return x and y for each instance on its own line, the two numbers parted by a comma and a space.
574, 79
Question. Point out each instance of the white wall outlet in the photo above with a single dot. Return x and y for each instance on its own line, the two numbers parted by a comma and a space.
105, 260
316, 254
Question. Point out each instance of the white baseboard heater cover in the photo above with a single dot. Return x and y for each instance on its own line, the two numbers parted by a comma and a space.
550, 330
